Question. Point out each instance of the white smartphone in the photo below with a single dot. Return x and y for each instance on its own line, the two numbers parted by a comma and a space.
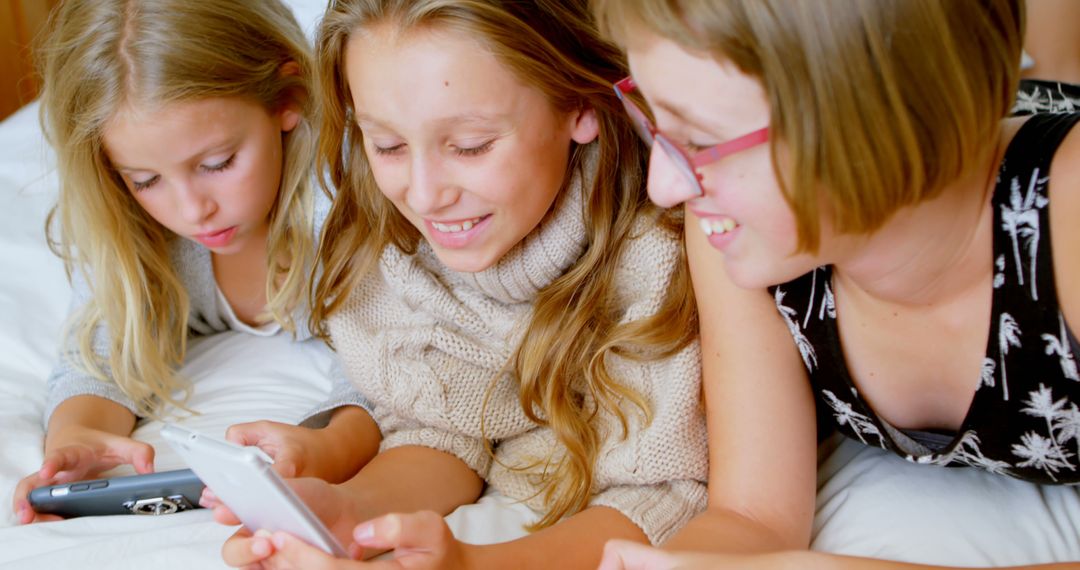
242, 478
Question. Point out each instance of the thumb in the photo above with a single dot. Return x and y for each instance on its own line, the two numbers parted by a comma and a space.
250, 433
299, 554
137, 453
627, 555
416, 531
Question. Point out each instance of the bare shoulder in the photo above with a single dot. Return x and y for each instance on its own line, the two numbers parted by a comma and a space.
1064, 193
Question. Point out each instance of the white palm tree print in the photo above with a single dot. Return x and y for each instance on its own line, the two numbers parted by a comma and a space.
1062, 425
1045, 101
967, 452
806, 350
1008, 335
813, 294
1041, 453
1067, 426
1041, 404
828, 307
846, 415
1059, 345
1020, 218
988, 372
999, 274
1027, 102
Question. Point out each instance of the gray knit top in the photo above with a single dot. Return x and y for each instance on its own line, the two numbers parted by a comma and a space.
209, 314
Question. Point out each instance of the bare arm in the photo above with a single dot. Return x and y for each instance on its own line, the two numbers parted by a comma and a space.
86, 435
576, 542
87, 412
414, 478
760, 414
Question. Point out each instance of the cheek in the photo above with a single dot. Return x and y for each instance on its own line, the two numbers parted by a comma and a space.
389, 173
157, 206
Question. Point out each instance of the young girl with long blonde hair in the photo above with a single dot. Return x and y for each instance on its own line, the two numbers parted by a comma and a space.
500, 288
187, 206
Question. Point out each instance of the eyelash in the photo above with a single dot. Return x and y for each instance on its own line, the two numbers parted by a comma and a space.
695, 148
388, 151
220, 166
474, 151
140, 186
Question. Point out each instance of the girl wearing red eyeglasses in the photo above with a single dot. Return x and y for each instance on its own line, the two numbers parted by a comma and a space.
867, 231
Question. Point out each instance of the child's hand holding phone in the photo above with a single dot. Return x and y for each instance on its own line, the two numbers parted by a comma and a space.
243, 479
333, 453
79, 453
297, 451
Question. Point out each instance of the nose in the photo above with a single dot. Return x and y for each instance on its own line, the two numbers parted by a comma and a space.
429, 190
667, 185
195, 204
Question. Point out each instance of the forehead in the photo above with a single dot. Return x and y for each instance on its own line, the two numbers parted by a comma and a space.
430, 74
149, 133
691, 86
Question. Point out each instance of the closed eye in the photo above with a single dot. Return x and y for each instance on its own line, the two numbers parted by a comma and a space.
144, 184
220, 166
474, 151
693, 148
387, 151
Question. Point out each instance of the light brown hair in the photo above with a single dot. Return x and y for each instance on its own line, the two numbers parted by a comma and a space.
554, 47
881, 103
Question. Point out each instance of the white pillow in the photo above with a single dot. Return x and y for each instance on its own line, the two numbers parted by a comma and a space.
873, 503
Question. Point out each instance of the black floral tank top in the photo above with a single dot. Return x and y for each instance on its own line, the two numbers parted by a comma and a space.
1024, 420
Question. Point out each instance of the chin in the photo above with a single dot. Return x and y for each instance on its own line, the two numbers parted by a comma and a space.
759, 277
465, 261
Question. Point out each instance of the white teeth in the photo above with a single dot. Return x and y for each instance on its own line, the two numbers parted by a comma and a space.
455, 228
706, 227
717, 226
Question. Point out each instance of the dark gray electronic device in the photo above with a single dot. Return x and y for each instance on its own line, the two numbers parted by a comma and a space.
150, 494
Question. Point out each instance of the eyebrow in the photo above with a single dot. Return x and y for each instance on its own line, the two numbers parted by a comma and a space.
227, 143
453, 120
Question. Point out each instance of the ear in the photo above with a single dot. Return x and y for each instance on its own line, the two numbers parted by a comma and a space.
289, 116
290, 112
585, 128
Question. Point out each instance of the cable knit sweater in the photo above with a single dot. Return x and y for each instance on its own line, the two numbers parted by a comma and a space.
423, 344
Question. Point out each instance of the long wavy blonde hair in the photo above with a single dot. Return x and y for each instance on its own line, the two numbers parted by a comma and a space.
561, 364
881, 103
99, 55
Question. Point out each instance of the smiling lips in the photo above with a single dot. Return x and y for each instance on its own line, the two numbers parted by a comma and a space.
455, 227
457, 234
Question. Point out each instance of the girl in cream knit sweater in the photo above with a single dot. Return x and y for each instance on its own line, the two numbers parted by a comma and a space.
498, 285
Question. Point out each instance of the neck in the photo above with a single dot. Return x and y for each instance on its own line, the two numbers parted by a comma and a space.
929, 253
